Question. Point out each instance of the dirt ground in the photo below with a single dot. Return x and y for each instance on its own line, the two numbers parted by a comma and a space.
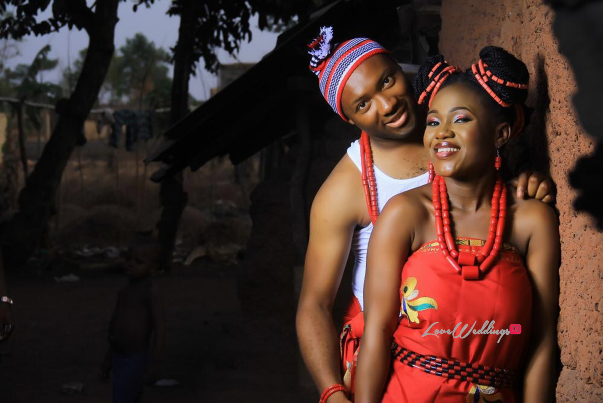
217, 353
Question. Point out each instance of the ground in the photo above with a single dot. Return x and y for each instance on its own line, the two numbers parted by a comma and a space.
216, 352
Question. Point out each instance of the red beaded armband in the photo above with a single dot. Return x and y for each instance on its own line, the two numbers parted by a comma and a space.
331, 390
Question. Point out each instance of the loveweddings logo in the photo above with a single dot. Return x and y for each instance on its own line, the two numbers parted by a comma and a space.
487, 328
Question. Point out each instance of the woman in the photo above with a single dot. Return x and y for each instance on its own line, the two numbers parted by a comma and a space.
452, 303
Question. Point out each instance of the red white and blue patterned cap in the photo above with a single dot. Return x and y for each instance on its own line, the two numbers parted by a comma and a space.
335, 63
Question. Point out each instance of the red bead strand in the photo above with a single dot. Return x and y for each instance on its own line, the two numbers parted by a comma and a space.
368, 177
489, 252
332, 390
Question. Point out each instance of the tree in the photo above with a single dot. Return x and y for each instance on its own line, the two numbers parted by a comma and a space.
205, 26
141, 67
25, 230
137, 75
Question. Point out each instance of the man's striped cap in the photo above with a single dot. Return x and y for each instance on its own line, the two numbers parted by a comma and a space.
334, 64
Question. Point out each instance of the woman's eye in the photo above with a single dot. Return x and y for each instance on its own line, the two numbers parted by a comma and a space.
361, 105
432, 122
461, 119
387, 81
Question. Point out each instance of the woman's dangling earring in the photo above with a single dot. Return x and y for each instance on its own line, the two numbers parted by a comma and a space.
431, 172
497, 160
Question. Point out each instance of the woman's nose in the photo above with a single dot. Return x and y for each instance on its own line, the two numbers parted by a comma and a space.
444, 132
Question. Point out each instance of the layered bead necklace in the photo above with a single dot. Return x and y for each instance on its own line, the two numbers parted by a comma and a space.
368, 177
467, 264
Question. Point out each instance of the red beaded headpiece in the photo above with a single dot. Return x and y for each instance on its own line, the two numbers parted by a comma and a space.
437, 81
482, 75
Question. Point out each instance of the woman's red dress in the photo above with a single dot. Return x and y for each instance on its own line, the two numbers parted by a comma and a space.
433, 292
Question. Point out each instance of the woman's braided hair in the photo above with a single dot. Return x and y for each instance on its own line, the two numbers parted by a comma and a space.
501, 78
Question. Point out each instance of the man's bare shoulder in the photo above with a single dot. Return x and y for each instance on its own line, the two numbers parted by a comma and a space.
341, 196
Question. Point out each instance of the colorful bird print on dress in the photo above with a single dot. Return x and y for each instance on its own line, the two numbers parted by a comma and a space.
410, 307
483, 394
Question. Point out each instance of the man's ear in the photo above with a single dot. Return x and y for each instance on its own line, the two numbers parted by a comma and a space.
350, 121
503, 134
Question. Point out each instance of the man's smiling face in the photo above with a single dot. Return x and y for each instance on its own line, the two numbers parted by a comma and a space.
379, 100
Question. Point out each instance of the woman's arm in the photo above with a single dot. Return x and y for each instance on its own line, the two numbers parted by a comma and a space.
389, 247
542, 259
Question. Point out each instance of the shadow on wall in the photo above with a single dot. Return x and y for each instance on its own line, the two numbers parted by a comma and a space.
579, 32
530, 151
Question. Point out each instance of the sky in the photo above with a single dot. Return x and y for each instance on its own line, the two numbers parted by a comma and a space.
157, 26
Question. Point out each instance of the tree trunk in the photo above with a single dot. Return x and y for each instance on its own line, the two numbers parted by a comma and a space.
9, 172
172, 195
25, 230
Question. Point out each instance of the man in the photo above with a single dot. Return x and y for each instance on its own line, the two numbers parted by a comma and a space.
366, 87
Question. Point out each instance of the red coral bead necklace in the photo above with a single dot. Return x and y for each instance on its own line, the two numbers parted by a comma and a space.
467, 264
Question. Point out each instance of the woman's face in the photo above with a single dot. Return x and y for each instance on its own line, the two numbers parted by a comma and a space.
378, 99
460, 135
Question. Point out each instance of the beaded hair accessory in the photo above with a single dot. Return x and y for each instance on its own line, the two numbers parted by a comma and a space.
482, 74
335, 63
438, 74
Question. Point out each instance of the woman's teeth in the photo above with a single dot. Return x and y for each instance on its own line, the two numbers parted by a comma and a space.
447, 150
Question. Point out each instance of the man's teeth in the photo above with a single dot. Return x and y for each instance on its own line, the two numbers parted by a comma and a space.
447, 150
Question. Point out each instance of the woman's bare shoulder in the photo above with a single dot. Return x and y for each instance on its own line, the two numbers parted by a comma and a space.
411, 205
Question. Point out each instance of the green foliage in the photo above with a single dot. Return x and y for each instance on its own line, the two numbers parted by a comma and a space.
28, 82
22, 19
140, 66
138, 75
225, 23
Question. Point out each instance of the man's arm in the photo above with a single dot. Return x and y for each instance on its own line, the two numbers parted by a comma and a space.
334, 215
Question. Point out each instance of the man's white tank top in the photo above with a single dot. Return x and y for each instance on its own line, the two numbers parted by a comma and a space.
387, 187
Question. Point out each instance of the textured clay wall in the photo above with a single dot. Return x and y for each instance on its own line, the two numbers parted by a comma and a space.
524, 28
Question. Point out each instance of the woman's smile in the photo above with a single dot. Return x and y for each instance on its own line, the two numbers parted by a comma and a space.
445, 149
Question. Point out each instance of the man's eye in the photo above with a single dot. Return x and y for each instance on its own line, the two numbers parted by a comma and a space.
387, 81
361, 105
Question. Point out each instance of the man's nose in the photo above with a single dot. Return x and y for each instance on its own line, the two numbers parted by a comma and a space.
387, 105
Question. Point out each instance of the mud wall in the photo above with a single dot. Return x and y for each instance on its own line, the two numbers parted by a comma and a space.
525, 29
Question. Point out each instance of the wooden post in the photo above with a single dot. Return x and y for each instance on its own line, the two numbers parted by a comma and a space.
57, 223
81, 168
116, 162
22, 137
136, 187
144, 173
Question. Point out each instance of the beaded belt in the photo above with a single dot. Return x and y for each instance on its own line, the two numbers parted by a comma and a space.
478, 374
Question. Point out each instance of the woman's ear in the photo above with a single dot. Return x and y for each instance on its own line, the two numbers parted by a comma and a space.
503, 134
350, 121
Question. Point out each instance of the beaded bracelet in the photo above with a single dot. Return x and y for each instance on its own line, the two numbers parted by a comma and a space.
331, 390
6, 300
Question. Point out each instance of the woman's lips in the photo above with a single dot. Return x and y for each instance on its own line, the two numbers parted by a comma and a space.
445, 152
398, 121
